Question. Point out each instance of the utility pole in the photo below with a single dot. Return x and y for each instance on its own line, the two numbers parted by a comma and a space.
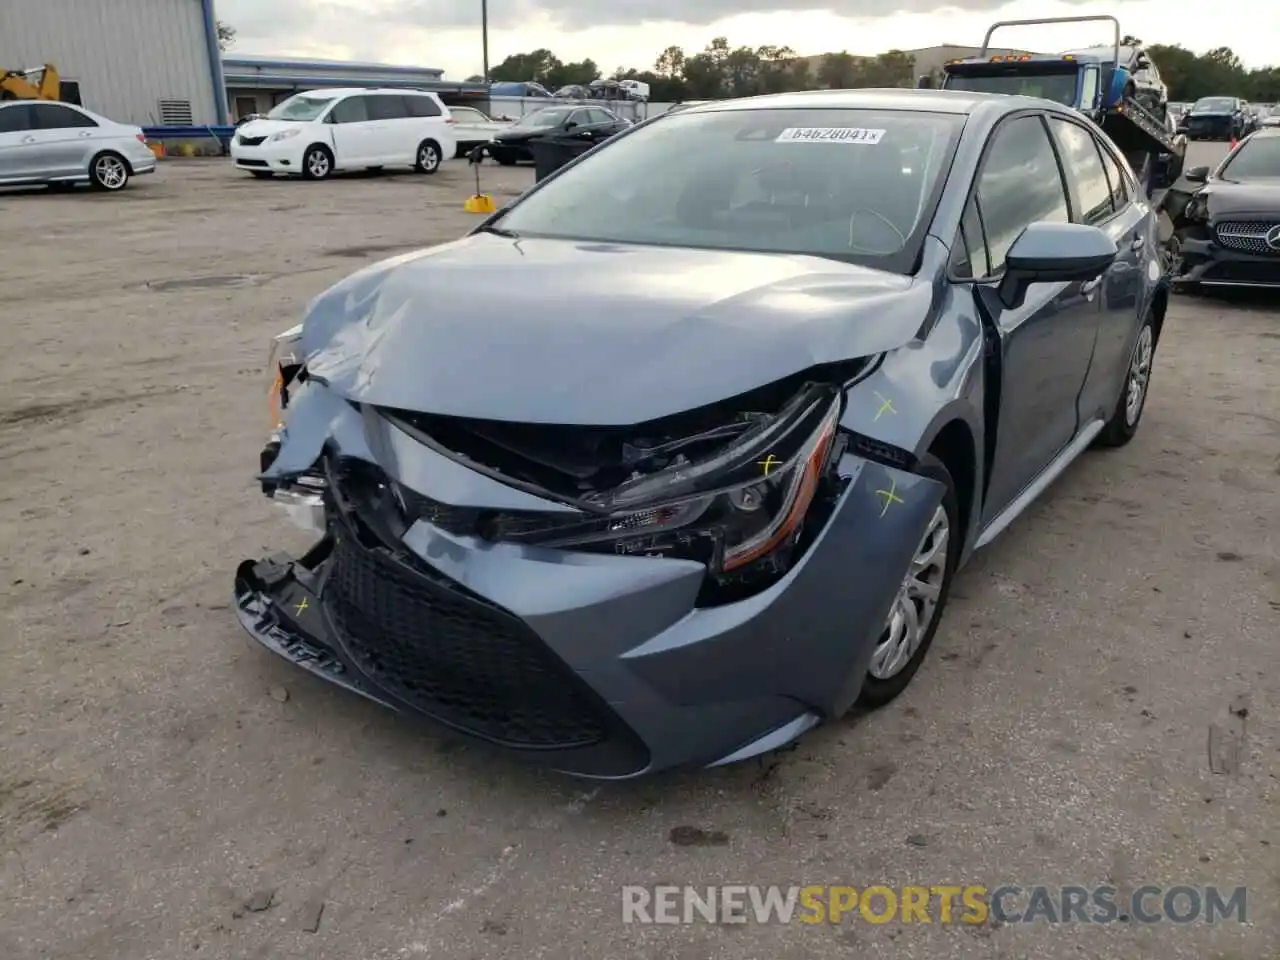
484, 35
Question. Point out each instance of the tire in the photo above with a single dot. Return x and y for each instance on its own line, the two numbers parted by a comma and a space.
428, 157
1127, 416
504, 159
877, 690
317, 162
109, 171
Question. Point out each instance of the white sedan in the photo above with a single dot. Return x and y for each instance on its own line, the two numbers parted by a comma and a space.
473, 127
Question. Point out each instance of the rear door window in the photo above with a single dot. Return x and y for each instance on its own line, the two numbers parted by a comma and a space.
387, 107
423, 106
1080, 157
54, 116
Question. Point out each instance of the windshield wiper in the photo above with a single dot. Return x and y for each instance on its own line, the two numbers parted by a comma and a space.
498, 231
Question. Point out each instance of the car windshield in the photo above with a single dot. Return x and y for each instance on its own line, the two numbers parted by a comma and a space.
548, 117
1214, 105
300, 108
1258, 158
1058, 87
853, 185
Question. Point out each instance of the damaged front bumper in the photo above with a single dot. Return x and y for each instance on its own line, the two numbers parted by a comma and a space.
1230, 261
596, 664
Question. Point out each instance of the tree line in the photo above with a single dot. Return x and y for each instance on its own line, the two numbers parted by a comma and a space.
721, 70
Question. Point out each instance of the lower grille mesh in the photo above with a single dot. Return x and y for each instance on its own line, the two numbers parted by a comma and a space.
465, 662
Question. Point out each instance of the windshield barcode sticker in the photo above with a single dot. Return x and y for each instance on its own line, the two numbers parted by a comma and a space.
829, 135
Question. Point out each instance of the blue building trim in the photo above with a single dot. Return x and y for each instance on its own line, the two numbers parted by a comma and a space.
215, 62
243, 67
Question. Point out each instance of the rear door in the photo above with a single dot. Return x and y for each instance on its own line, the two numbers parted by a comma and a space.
354, 137
1100, 198
429, 123
393, 128
67, 138
1045, 344
19, 152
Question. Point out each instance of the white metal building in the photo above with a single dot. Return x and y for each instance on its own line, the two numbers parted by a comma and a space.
255, 83
137, 61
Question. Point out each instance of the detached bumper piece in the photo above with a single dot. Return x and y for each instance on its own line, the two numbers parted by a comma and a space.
416, 642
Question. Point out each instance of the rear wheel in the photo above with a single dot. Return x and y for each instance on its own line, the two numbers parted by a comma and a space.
428, 157
922, 596
109, 171
1122, 426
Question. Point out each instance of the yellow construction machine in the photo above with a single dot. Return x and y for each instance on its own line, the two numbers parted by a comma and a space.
41, 83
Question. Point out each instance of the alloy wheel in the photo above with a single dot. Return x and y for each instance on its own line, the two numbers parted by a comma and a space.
1139, 375
916, 603
318, 164
428, 157
111, 172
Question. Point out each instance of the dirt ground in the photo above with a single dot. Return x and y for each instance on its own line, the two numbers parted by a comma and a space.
169, 789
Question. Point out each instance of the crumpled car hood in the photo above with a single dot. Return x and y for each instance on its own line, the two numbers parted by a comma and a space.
555, 331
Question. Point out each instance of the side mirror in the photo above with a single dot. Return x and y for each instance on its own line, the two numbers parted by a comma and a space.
1054, 253
924, 82
570, 124
1197, 174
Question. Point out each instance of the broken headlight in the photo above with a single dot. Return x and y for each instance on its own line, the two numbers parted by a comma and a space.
741, 505
284, 365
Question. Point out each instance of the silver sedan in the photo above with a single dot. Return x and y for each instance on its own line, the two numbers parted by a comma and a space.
57, 143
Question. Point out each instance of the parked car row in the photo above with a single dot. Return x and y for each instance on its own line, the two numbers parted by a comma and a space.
1225, 118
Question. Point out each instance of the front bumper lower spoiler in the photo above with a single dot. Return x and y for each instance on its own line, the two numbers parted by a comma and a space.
278, 604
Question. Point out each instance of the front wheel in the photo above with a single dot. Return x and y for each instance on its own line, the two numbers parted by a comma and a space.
108, 171
917, 608
1122, 426
317, 163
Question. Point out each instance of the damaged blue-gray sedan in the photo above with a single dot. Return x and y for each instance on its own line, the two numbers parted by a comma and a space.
676, 456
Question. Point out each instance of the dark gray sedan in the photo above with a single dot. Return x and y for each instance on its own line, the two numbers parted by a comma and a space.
677, 456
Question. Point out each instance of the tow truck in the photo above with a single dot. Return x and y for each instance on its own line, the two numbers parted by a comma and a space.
1097, 82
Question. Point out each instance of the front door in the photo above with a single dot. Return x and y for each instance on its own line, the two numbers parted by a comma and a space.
19, 153
1047, 343
355, 142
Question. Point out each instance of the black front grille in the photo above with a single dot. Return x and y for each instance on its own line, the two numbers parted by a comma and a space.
251, 163
251, 141
454, 656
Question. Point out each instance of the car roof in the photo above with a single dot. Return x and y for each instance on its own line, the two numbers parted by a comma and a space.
957, 102
349, 91
924, 101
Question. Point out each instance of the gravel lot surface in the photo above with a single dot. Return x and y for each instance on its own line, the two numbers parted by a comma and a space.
168, 789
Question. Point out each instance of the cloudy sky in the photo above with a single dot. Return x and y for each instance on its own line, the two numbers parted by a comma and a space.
446, 33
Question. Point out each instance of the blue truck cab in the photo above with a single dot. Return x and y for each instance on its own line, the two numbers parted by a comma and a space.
1116, 85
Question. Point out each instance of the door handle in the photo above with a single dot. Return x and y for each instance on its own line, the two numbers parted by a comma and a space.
1137, 243
86, 133
1089, 286
28, 139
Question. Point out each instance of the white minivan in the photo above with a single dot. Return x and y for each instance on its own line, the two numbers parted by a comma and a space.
320, 132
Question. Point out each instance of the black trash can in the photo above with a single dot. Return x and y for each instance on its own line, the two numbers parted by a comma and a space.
552, 153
